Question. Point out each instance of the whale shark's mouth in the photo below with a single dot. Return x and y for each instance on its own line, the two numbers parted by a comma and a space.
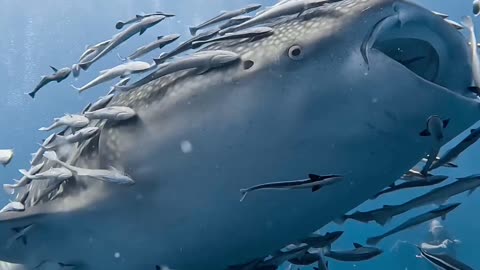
427, 46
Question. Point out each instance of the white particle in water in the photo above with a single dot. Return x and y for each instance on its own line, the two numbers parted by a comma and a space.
186, 147
116, 255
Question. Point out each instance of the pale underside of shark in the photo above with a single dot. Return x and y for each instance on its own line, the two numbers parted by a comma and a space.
323, 111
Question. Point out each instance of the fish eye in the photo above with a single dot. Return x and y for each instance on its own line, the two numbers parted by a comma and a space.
248, 64
295, 52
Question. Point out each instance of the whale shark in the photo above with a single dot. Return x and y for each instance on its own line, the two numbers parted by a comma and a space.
299, 101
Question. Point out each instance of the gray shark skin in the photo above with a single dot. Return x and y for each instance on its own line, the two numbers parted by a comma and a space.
288, 114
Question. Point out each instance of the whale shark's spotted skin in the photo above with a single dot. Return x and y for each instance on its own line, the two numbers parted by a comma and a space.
326, 112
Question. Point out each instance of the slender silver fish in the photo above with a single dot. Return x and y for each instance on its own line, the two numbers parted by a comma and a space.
254, 33
69, 120
161, 42
412, 184
24, 181
119, 25
359, 253
79, 136
122, 82
101, 103
313, 182
201, 61
225, 15
185, 46
51, 174
235, 21
58, 76
458, 149
112, 175
139, 27
435, 126
441, 211
13, 206
443, 261
114, 113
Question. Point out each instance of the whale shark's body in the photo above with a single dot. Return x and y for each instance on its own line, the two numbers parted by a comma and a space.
300, 101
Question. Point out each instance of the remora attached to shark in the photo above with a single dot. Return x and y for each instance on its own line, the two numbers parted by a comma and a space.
300, 100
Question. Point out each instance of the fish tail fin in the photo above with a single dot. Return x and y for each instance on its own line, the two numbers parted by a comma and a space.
373, 241
121, 58
75, 70
9, 188
25, 173
76, 88
340, 220
85, 65
193, 30
119, 25
243, 193
31, 94
197, 44
467, 22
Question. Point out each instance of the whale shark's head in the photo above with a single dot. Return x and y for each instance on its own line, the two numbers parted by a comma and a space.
341, 89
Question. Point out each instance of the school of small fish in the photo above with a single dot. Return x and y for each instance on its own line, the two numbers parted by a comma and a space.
80, 128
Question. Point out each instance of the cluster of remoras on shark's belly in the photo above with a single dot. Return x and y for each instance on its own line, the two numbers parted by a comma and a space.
80, 130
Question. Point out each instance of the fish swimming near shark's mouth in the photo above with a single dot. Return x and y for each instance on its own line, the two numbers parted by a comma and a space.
300, 100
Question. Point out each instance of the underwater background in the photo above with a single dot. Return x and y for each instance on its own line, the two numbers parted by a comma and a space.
36, 34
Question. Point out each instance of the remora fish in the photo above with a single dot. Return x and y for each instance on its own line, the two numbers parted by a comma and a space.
235, 21
119, 25
413, 175
435, 165
412, 184
24, 181
122, 82
101, 103
118, 71
435, 129
475, 62
161, 42
12, 206
38, 156
441, 211
139, 27
321, 241
252, 34
6, 155
443, 261
313, 182
360, 253
69, 120
114, 113
79, 136
112, 175
458, 149
58, 76
225, 15
90, 53
185, 46
53, 173
436, 196
201, 61
285, 117
285, 9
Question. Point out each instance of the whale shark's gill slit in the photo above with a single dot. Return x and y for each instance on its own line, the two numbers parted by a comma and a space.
417, 55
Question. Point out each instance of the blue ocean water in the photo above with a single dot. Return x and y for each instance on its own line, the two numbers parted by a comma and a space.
36, 34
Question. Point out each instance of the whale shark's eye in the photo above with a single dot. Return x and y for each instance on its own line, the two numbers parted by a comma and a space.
295, 52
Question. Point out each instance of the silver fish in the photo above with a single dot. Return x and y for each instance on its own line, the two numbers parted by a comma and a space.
359, 253
79, 136
101, 103
114, 113
441, 211
455, 151
111, 175
122, 82
6, 155
443, 261
13, 206
226, 15
58, 76
235, 21
119, 25
139, 27
313, 182
412, 184
53, 174
161, 42
118, 71
69, 120
435, 127
254, 33
24, 181
201, 61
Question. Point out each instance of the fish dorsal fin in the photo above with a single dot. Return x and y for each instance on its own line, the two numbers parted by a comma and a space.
445, 122
159, 37
54, 69
139, 16
314, 177
357, 245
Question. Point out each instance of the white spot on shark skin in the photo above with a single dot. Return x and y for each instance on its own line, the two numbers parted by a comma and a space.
186, 147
